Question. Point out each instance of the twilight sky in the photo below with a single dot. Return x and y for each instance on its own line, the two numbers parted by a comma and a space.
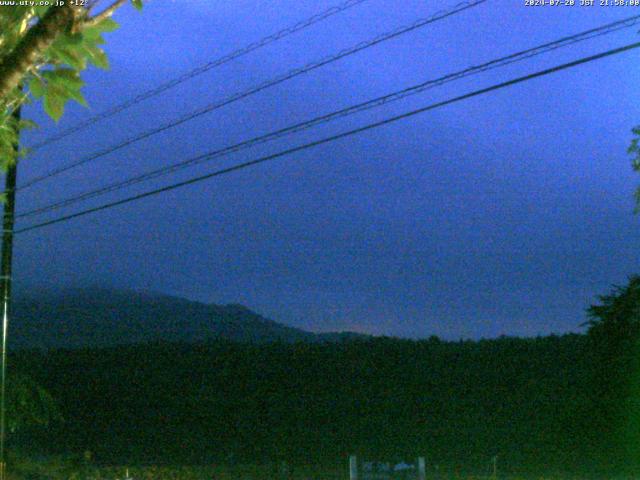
505, 214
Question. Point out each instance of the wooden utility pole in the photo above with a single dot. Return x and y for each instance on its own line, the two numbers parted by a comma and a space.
5, 282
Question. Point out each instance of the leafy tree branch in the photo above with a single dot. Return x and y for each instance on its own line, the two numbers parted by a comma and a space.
106, 13
32, 46
43, 50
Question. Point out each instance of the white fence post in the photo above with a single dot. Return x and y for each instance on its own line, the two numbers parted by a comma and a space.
422, 468
353, 468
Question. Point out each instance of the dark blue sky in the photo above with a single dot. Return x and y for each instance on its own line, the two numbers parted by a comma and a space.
507, 213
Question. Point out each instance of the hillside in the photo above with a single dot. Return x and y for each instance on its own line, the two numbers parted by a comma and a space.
103, 317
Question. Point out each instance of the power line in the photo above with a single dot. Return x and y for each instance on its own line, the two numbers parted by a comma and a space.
374, 103
252, 47
263, 86
332, 138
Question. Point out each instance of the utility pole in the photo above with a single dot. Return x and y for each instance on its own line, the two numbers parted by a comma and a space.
5, 282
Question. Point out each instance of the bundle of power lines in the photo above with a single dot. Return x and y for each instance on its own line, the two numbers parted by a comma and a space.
422, 86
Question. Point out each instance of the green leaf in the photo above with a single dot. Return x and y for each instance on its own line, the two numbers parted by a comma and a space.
106, 25
72, 39
137, 4
36, 87
92, 35
69, 53
67, 78
54, 105
96, 56
78, 97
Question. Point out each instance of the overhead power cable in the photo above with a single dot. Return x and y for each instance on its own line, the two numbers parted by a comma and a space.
373, 103
252, 47
332, 138
263, 86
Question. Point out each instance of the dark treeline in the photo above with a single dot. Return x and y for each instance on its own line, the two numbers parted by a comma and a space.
529, 401
556, 404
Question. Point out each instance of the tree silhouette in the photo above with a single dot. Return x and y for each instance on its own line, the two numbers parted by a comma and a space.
614, 334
